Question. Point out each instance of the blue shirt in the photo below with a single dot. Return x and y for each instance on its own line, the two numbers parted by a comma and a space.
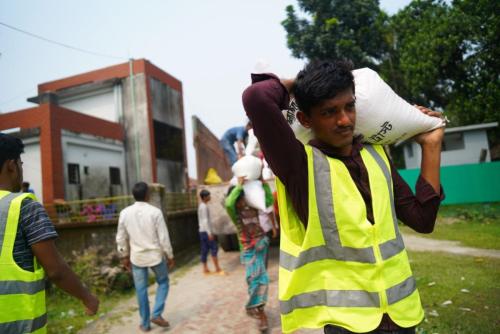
34, 226
234, 134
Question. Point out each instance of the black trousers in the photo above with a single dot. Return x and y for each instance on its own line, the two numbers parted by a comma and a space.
330, 329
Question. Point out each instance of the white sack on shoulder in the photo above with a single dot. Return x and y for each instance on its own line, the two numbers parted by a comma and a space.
249, 167
382, 117
255, 195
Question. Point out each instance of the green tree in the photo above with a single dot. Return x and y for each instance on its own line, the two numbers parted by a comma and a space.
441, 55
336, 29
447, 57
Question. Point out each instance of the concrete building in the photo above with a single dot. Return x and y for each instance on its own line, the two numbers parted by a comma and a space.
209, 153
97, 133
461, 145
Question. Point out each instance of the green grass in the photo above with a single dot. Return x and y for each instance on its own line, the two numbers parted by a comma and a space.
471, 312
474, 225
67, 314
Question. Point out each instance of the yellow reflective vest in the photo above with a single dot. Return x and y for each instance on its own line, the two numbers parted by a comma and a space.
342, 270
22, 293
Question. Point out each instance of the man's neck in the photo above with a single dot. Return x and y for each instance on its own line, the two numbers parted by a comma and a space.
6, 187
345, 151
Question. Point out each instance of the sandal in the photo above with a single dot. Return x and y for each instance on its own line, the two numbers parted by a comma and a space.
263, 324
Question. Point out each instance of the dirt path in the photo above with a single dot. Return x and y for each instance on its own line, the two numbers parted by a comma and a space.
215, 304
420, 244
201, 304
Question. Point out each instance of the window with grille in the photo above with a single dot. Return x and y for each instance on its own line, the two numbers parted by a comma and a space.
114, 176
453, 141
74, 173
168, 141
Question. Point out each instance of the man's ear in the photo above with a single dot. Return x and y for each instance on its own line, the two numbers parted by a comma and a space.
10, 165
304, 119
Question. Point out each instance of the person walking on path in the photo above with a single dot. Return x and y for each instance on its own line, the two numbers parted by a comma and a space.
28, 252
143, 243
208, 241
255, 245
236, 135
25, 188
343, 264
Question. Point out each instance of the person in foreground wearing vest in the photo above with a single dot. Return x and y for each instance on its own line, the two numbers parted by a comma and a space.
28, 252
343, 264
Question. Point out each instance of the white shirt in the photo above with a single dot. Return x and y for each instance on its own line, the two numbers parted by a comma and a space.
143, 234
204, 218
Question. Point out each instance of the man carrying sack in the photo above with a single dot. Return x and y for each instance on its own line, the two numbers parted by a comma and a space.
343, 264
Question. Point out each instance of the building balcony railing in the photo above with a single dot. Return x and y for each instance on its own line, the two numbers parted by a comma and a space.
107, 209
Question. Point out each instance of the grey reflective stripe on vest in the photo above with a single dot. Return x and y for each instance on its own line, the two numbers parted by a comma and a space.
4, 213
20, 287
23, 326
401, 290
348, 298
331, 298
333, 248
391, 247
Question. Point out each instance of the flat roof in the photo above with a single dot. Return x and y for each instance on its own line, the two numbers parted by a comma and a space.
472, 127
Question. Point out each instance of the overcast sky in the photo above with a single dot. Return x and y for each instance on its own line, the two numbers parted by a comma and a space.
211, 46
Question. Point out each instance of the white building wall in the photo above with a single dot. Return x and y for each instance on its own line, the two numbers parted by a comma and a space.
474, 142
101, 104
32, 165
97, 155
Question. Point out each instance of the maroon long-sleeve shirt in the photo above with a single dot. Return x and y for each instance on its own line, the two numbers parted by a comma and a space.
263, 102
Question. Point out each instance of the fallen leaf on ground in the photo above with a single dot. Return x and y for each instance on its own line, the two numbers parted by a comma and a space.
434, 313
448, 302
431, 283
465, 290
465, 309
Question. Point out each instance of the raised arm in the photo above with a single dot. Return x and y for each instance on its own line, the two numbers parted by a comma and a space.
263, 102
430, 142
419, 211
230, 202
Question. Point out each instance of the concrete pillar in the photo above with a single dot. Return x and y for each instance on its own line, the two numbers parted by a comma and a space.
157, 196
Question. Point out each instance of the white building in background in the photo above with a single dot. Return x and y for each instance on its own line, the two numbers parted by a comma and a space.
461, 145
95, 134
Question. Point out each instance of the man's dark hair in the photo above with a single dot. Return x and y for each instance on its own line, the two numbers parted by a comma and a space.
140, 191
26, 184
322, 80
10, 148
204, 194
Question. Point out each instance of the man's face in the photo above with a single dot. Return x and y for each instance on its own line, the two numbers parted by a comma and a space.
332, 121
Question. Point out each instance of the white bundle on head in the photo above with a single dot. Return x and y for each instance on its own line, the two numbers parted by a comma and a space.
249, 167
382, 117
255, 195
